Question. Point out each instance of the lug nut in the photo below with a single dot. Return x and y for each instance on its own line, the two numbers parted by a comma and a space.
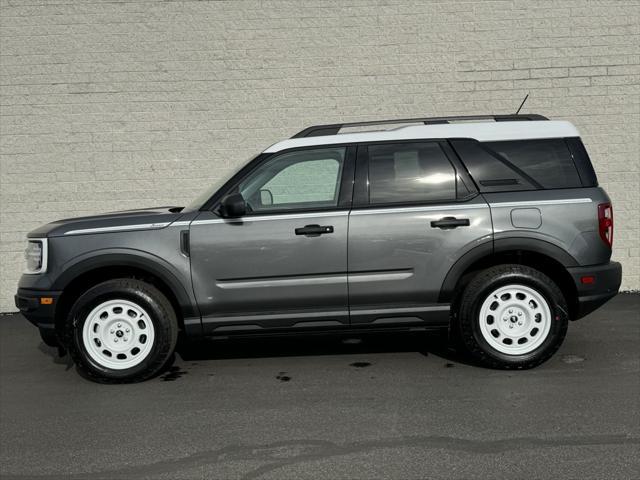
127, 330
125, 339
510, 311
115, 340
519, 314
519, 323
119, 325
112, 331
510, 326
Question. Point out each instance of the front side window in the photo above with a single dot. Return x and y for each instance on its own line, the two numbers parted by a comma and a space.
409, 173
300, 180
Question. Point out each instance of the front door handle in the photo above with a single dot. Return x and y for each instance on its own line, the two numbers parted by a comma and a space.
447, 223
314, 230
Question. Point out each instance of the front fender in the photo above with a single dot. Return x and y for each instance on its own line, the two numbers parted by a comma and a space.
125, 257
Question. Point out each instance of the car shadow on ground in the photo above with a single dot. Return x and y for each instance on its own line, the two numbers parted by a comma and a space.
425, 343
431, 343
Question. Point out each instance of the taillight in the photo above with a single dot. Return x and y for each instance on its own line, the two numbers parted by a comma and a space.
605, 223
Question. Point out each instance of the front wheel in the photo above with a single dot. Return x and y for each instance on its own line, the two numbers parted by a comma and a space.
512, 316
121, 330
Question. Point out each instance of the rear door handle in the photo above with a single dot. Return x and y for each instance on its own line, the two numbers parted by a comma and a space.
447, 223
314, 230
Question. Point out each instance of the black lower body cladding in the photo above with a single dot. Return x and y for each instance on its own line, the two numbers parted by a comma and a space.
595, 285
38, 306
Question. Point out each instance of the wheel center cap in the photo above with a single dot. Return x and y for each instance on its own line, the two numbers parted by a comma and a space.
513, 319
119, 333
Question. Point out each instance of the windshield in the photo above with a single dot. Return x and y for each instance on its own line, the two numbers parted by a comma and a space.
200, 200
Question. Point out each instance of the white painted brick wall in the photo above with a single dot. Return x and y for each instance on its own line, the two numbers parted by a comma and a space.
114, 105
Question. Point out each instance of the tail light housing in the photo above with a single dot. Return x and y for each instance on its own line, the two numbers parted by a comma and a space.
605, 223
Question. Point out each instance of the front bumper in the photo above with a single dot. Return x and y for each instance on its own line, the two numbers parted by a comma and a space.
603, 284
38, 311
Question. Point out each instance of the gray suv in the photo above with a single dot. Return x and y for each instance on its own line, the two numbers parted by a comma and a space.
492, 227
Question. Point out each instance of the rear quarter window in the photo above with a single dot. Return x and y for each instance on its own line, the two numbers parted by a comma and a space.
519, 164
547, 161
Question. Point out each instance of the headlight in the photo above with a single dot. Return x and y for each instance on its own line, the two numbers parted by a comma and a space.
36, 255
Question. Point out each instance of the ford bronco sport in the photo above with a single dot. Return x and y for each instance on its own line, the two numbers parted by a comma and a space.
493, 227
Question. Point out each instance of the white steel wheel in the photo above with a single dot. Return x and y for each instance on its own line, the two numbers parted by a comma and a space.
515, 319
118, 334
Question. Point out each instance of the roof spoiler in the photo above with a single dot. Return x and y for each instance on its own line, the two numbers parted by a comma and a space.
333, 129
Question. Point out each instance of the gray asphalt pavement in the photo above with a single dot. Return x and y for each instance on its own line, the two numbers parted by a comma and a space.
383, 406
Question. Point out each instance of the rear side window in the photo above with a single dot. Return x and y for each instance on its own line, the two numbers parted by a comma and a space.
582, 162
489, 171
409, 173
519, 164
548, 161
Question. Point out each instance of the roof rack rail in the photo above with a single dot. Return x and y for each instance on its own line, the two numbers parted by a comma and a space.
333, 129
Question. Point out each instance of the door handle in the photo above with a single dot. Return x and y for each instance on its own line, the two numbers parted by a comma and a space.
447, 223
314, 230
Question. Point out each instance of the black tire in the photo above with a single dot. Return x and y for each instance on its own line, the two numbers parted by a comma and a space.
480, 287
149, 298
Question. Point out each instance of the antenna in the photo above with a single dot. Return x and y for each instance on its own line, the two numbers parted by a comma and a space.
522, 104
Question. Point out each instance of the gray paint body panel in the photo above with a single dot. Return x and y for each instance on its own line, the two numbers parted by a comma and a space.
153, 249
569, 220
404, 259
261, 272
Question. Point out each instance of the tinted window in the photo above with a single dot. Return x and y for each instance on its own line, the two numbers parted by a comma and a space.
295, 180
410, 172
547, 161
582, 162
488, 170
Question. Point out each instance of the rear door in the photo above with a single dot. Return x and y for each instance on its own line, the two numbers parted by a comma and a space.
415, 213
284, 264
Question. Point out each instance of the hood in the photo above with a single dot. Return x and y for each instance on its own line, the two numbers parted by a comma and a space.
141, 219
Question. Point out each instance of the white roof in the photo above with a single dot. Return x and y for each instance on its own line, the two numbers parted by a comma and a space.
481, 131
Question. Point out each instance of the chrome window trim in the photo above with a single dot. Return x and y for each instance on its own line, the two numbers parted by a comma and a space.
262, 218
535, 203
431, 208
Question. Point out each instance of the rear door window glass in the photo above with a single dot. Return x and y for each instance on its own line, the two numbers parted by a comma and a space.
410, 173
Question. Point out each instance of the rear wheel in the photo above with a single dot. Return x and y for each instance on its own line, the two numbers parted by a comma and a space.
512, 316
121, 330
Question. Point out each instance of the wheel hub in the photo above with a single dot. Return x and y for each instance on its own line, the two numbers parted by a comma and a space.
118, 334
515, 319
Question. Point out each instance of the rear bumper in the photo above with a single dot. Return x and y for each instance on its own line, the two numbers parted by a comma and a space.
604, 286
30, 304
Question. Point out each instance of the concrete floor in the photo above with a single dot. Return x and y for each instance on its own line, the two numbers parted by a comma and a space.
383, 406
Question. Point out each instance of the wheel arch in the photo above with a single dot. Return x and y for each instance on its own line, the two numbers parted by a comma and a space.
87, 272
539, 254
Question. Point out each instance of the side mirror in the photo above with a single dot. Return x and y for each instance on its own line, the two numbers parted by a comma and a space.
266, 198
233, 206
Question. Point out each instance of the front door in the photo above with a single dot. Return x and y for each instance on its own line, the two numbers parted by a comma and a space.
283, 264
413, 216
